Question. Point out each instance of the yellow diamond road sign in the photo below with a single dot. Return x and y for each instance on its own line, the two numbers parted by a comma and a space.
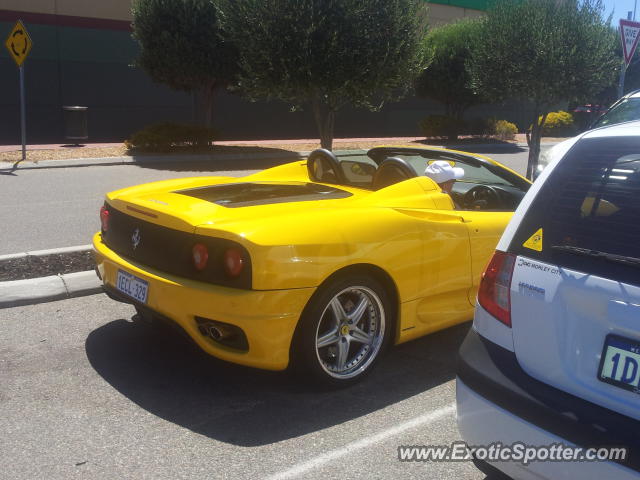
19, 43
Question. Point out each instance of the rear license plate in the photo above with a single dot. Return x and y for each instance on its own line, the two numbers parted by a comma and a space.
132, 286
620, 363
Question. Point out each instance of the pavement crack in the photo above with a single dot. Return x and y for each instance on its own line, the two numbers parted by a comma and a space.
66, 287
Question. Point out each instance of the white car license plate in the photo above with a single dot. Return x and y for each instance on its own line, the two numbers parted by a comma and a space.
620, 363
132, 286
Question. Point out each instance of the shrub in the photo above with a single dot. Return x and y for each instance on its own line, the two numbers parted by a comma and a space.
481, 126
505, 130
163, 136
558, 124
442, 126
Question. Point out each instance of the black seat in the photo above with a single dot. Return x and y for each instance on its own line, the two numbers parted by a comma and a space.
323, 167
392, 170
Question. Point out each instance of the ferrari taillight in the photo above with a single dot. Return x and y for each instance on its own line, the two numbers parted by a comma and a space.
104, 218
493, 294
233, 262
200, 256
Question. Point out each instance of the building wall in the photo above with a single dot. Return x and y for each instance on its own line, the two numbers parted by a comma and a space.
105, 9
82, 55
80, 61
440, 14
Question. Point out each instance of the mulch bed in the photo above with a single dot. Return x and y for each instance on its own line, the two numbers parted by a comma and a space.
34, 267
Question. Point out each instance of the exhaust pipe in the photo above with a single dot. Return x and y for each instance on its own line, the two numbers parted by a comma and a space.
223, 333
217, 333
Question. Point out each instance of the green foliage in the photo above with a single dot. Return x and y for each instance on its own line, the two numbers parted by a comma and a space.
558, 124
183, 43
328, 53
543, 52
481, 126
163, 136
446, 79
442, 126
505, 130
446, 126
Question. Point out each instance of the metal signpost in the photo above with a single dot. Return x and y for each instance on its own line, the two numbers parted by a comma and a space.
629, 35
19, 45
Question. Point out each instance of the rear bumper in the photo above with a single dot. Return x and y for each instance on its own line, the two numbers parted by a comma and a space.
499, 402
268, 318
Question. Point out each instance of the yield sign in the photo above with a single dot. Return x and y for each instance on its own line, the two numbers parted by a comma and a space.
629, 33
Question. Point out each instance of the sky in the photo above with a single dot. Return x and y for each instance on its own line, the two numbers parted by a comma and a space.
621, 8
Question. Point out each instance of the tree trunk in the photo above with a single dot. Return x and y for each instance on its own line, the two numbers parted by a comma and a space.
533, 141
324, 116
208, 94
203, 101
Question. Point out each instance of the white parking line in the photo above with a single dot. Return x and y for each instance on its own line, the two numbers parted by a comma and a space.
365, 442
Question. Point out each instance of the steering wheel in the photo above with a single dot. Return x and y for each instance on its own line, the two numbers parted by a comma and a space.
481, 197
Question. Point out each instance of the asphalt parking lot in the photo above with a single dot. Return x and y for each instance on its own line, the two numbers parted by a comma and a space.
88, 393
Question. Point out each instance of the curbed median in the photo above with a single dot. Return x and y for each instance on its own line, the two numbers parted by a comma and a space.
51, 275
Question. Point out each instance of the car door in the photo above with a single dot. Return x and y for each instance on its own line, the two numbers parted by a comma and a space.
445, 273
485, 229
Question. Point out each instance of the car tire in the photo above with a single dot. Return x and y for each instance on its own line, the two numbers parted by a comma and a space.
343, 331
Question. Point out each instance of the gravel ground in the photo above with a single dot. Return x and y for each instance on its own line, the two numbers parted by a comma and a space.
64, 153
119, 151
34, 267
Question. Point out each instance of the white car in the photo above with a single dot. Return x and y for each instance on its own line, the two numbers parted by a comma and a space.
625, 109
553, 357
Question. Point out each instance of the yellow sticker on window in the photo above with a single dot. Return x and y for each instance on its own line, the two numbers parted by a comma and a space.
535, 241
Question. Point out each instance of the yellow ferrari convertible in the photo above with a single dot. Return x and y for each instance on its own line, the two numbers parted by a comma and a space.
316, 265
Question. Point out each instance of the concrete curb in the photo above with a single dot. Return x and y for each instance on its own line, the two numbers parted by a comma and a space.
44, 253
199, 158
47, 289
155, 159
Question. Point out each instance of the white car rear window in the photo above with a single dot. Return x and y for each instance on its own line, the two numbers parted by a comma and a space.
587, 214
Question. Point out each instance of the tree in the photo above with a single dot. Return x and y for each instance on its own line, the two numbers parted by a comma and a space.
183, 45
544, 52
446, 79
325, 54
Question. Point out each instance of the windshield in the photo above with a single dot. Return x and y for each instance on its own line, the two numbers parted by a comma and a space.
359, 169
625, 111
472, 173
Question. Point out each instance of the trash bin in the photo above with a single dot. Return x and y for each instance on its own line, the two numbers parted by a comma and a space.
75, 123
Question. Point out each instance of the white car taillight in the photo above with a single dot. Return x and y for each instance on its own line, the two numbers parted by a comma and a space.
493, 294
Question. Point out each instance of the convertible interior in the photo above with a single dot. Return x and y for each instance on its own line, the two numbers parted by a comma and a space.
485, 186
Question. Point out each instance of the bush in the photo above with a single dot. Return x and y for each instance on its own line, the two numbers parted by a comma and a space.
442, 126
558, 124
481, 126
163, 136
504, 130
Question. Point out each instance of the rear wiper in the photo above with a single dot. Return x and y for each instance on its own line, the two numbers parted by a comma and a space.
611, 257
